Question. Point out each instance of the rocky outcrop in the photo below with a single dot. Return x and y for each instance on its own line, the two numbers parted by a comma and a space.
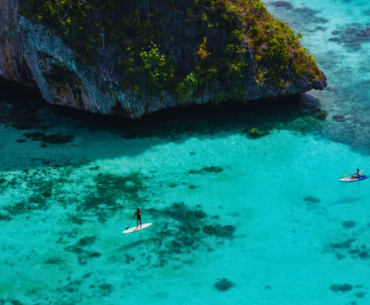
13, 66
33, 54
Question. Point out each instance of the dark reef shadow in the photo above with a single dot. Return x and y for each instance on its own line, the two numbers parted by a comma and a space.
40, 121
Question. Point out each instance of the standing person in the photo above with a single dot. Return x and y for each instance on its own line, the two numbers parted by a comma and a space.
138, 218
358, 175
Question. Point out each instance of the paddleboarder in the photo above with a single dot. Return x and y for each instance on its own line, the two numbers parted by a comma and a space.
138, 218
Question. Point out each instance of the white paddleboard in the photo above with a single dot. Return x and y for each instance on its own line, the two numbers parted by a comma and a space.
135, 229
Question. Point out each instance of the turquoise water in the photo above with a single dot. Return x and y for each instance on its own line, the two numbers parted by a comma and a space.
266, 214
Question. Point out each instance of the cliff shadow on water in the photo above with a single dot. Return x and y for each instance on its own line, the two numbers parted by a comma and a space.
50, 126
32, 121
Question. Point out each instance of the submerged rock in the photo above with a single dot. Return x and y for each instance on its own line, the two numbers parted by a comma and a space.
344, 245
131, 58
256, 133
341, 288
322, 115
283, 4
211, 169
348, 224
311, 199
224, 285
339, 118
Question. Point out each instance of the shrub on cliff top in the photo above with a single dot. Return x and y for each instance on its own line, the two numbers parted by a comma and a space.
147, 38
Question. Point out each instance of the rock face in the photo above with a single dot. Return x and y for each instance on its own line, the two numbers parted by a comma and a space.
192, 60
13, 66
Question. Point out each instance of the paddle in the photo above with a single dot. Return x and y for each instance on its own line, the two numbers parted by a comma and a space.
344, 176
129, 224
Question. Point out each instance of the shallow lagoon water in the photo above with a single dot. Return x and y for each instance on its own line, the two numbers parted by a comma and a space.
267, 214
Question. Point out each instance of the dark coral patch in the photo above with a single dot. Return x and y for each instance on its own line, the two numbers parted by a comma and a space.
14, 302
220, 231
311, 199
352, 37
53, 261
105, 289
180, 212
309, 15
114, 186
82, 255
211, 169
341, 288
76, 220
224, 285
47, 192
86, 241
348, 247
51, 139
360, 294
283, 4
344, 245
185, 234
5, 217
34, 203
129, 259
364, 255
340, 256
321, 115
339, 118
110, 188
348, 224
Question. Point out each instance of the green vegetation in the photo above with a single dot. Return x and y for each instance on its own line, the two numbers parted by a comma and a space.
183, 48
276, 47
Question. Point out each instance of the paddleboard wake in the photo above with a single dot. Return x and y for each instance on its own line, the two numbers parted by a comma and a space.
363, 177
135, 229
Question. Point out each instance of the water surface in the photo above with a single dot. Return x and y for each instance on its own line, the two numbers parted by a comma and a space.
236, 219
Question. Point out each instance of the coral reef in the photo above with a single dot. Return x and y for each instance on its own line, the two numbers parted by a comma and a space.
349, 247
188, 232
352, 37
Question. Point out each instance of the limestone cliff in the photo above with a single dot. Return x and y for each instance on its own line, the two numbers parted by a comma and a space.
135, 57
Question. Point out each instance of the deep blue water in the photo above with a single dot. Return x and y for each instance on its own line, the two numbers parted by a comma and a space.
235, 219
